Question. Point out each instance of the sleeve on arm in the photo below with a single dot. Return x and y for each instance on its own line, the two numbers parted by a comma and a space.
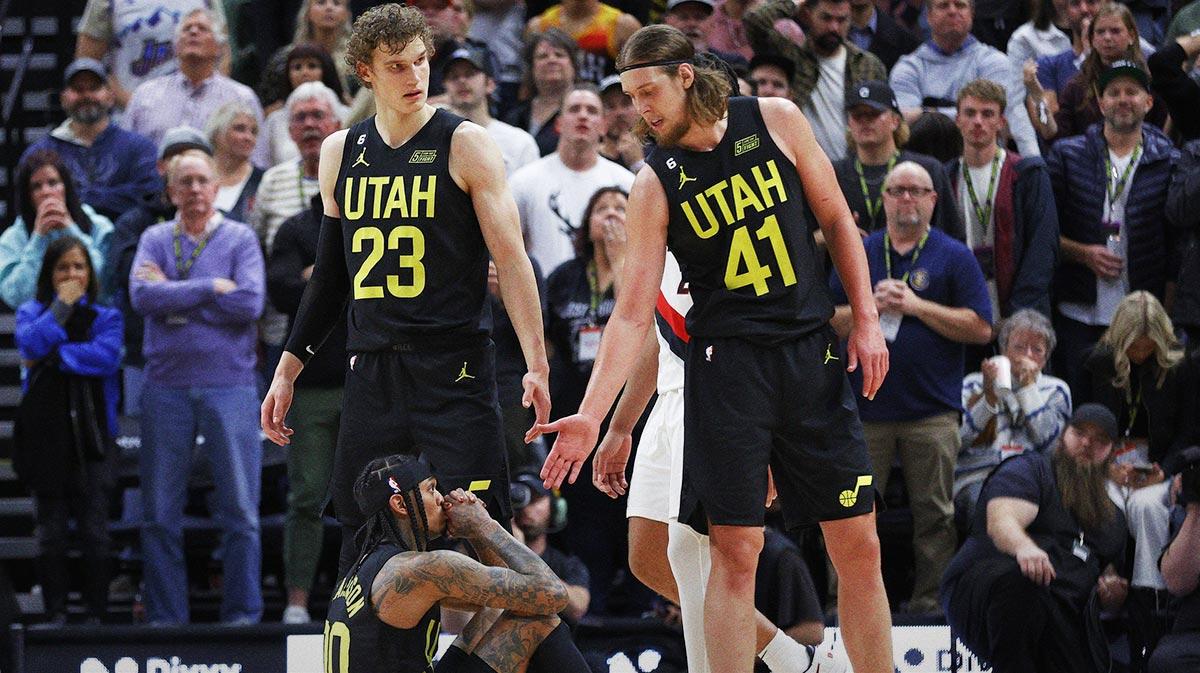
1018, 477
164, 297
906, 83
37, 333
101, 354
285, 286
246, 302
325, 297
20, 261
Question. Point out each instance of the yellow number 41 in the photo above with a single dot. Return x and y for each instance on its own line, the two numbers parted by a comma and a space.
741, 253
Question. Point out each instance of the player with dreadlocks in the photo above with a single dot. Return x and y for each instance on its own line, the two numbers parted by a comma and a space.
385, 614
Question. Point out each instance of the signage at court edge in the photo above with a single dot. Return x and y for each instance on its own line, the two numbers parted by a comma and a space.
156, 665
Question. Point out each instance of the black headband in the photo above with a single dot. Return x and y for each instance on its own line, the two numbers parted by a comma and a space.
651, 64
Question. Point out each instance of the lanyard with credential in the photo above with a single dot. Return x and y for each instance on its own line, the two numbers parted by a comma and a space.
983, 211
1133, 410
873, 206
182, 268
887, 255
593, 276
1116, 190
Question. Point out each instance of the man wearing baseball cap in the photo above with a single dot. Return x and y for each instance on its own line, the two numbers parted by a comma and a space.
113, 168
386, 612
1110, 188
1045, 539
470, 83
877, 132
618, 144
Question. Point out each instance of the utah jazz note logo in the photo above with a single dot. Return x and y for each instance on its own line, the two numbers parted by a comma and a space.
848, 498
361, 160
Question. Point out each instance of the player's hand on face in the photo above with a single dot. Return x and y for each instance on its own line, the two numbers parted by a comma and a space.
537, 395
866, 347
576, 437
608, 468
467, 518
274, 411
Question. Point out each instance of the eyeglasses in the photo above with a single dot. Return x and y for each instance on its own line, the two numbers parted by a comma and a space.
901, 192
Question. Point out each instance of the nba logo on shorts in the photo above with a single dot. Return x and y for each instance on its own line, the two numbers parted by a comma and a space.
708, 352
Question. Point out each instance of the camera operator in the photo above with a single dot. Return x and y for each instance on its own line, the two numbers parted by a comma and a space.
538, 512
1179, 651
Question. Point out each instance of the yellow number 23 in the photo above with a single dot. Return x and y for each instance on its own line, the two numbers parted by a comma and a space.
374, 236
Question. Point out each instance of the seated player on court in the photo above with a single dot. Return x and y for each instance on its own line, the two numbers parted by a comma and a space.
405, 584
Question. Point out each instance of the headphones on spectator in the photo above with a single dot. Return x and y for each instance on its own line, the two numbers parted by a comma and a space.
527, 485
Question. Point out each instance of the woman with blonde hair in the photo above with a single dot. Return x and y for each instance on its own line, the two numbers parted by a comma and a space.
1138, 371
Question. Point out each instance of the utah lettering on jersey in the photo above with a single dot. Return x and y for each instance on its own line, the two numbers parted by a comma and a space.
387, 195
757, 189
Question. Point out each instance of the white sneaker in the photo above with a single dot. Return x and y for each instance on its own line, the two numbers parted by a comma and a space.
829, 657
297, 614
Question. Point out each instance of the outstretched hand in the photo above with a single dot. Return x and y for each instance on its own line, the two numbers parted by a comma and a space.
608, 468
576, 438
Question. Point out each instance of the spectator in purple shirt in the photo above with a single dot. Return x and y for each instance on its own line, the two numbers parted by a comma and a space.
199, 281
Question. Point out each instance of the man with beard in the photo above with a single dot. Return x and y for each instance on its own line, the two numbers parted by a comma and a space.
1043, 542
1110, 188
827, 65
403, 581
113, 168
727, 185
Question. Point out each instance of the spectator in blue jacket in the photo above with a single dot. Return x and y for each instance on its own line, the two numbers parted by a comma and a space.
114, 168
63, 446
48, 207
198, 279
1110, 187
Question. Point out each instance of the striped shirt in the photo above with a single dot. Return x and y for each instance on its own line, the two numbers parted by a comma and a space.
1031, 419
283, 192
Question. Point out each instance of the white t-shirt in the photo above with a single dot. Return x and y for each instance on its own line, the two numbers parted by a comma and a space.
827, 111
982, 234
551, 199
227, 197
516, 146
1109, 293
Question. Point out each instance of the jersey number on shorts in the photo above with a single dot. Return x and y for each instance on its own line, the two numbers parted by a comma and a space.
337, 647
374, 236
741, 252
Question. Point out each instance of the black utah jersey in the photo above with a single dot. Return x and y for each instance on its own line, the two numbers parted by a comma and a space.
415, 255
739, 230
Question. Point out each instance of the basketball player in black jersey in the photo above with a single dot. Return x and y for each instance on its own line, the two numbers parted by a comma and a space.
385, 614
415, 199
764, 378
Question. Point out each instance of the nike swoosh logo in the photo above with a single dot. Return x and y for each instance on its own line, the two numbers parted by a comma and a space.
310, 350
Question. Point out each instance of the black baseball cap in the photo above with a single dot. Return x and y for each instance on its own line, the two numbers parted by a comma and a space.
84, 64
527, 486
787, 65
1124, 68
1098, 415
473, 55
874, 93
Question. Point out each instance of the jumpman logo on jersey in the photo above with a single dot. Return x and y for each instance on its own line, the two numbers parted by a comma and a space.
361, 160
828, 355
463, 374
683, 178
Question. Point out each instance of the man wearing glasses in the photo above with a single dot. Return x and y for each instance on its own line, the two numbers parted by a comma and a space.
932, 301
